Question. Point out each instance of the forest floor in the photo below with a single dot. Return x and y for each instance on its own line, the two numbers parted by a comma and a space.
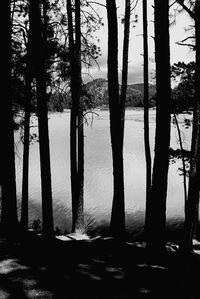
102, 268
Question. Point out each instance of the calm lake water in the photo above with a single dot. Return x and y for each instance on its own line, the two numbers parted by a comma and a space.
98, 171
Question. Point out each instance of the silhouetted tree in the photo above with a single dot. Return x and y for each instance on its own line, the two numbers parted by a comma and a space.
41, 77
157, 213
146, 110
125, 65
9, 221
117, 225
28, 80
192, 207
76, 122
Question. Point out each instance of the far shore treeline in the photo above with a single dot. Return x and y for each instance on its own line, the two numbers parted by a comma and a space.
95, 92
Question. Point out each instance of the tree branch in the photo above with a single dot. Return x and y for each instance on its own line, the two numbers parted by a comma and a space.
188, 45
181, 2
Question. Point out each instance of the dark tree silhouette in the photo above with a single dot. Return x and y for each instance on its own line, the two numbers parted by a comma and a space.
76, 122
28, 80
125, 66
146, 111
41, 77
157, 214
117, 113
192, 206
9, 221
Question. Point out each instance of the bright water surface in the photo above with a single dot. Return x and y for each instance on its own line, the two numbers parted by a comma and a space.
98, 171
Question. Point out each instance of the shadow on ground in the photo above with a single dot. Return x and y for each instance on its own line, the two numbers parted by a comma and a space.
102, 268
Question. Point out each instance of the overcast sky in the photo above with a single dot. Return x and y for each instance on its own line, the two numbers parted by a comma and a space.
135, 75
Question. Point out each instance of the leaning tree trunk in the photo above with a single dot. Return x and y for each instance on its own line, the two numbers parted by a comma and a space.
47, 210
146, 112
9, 221
117, 225
192, 207
157, 213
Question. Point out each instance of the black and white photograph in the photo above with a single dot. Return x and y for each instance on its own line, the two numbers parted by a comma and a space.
100, 149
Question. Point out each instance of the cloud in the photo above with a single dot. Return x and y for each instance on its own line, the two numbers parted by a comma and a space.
135, 71
135, 74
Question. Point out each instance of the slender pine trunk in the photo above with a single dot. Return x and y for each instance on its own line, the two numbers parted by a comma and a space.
183, 162
79, 223
156, 234
47, 209
76, 121
28, 80
117, 224
146, 113
73, 116
125, 67
25, 171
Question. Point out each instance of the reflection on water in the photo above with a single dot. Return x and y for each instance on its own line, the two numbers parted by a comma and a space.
98, 171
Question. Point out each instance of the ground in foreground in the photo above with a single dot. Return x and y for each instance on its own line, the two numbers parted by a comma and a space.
102, 268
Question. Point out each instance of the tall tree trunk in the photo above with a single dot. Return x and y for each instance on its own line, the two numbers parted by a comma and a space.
47, 210
183, 161
146, 113
28, 80
125, 66
157, 216
9, 221
80, 217
76, 122
25, 178
192, 207
117, 225
73, 115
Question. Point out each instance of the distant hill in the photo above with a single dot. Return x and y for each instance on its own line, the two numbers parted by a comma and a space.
98, 88
140, 87
95, 94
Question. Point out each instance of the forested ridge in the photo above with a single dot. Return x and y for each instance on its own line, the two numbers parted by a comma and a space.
96, 94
